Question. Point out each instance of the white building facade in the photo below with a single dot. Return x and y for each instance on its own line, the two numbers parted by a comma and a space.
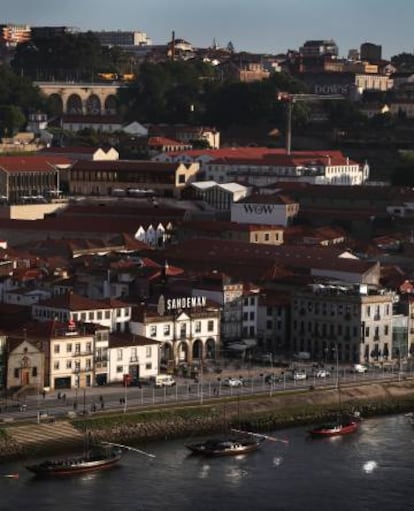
132, 358
264, 210
187, 330
352, 322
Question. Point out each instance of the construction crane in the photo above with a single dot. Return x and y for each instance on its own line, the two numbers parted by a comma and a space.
291, 99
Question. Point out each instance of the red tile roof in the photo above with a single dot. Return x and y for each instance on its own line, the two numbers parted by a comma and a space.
30, 163
74, 302
218, 252
264, 155
164, 141
119, 340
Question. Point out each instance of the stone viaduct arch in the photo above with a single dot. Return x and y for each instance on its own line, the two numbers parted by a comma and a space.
87, 98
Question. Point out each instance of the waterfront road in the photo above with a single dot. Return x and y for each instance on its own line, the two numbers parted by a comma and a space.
95, 400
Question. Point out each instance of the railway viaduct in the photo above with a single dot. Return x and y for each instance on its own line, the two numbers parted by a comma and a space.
81, 98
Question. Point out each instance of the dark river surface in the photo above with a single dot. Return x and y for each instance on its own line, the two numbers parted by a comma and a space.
370, 470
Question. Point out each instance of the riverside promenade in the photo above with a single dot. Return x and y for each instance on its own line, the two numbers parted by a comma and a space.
259, 412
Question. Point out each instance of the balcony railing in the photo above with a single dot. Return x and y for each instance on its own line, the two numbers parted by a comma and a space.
78, 370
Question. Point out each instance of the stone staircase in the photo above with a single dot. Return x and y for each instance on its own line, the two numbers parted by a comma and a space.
60, 435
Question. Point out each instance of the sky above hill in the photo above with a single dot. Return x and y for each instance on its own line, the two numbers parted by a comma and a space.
272, 26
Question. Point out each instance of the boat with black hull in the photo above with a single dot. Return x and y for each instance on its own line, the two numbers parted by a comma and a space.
225, 447
241, 442
98, 458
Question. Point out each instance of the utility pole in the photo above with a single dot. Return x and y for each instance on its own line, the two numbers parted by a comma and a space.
291, 99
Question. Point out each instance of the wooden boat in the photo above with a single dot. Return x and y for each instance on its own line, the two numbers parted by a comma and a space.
225, 447
334, 429
98, 458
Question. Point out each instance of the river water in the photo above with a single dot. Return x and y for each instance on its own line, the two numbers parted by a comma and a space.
370, 470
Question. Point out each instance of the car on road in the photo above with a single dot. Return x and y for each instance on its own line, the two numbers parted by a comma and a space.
163, 380
272, 379
323, 373
233, 382
359, 368
299, 375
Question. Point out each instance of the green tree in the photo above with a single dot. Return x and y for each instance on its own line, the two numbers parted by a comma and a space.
65, 57
167, 92
12, 120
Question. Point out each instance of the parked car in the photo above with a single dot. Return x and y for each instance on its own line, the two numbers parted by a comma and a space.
359, 368
299, 375
233, 382
323, 373
272, 378
163, 380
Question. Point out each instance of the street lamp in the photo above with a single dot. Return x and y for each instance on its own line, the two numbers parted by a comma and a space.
337, 366
125, 395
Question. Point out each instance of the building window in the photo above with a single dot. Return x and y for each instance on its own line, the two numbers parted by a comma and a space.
134, 356
181, 178
198, 327
83, 316
153, 331
56, 365
210, 326
166, 329
148, 351
99, 315
119, 369
119, 354
34, 372
16, 373
148, 366
107, 314
77, 348
91, 315
68, 348
251, 316
269, 324
56, 348
68, 364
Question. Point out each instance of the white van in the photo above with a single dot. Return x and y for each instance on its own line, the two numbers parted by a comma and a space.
359, 368
163, 380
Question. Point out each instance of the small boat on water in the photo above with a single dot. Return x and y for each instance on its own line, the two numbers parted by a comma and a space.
98, 458
226, 447
334, 429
